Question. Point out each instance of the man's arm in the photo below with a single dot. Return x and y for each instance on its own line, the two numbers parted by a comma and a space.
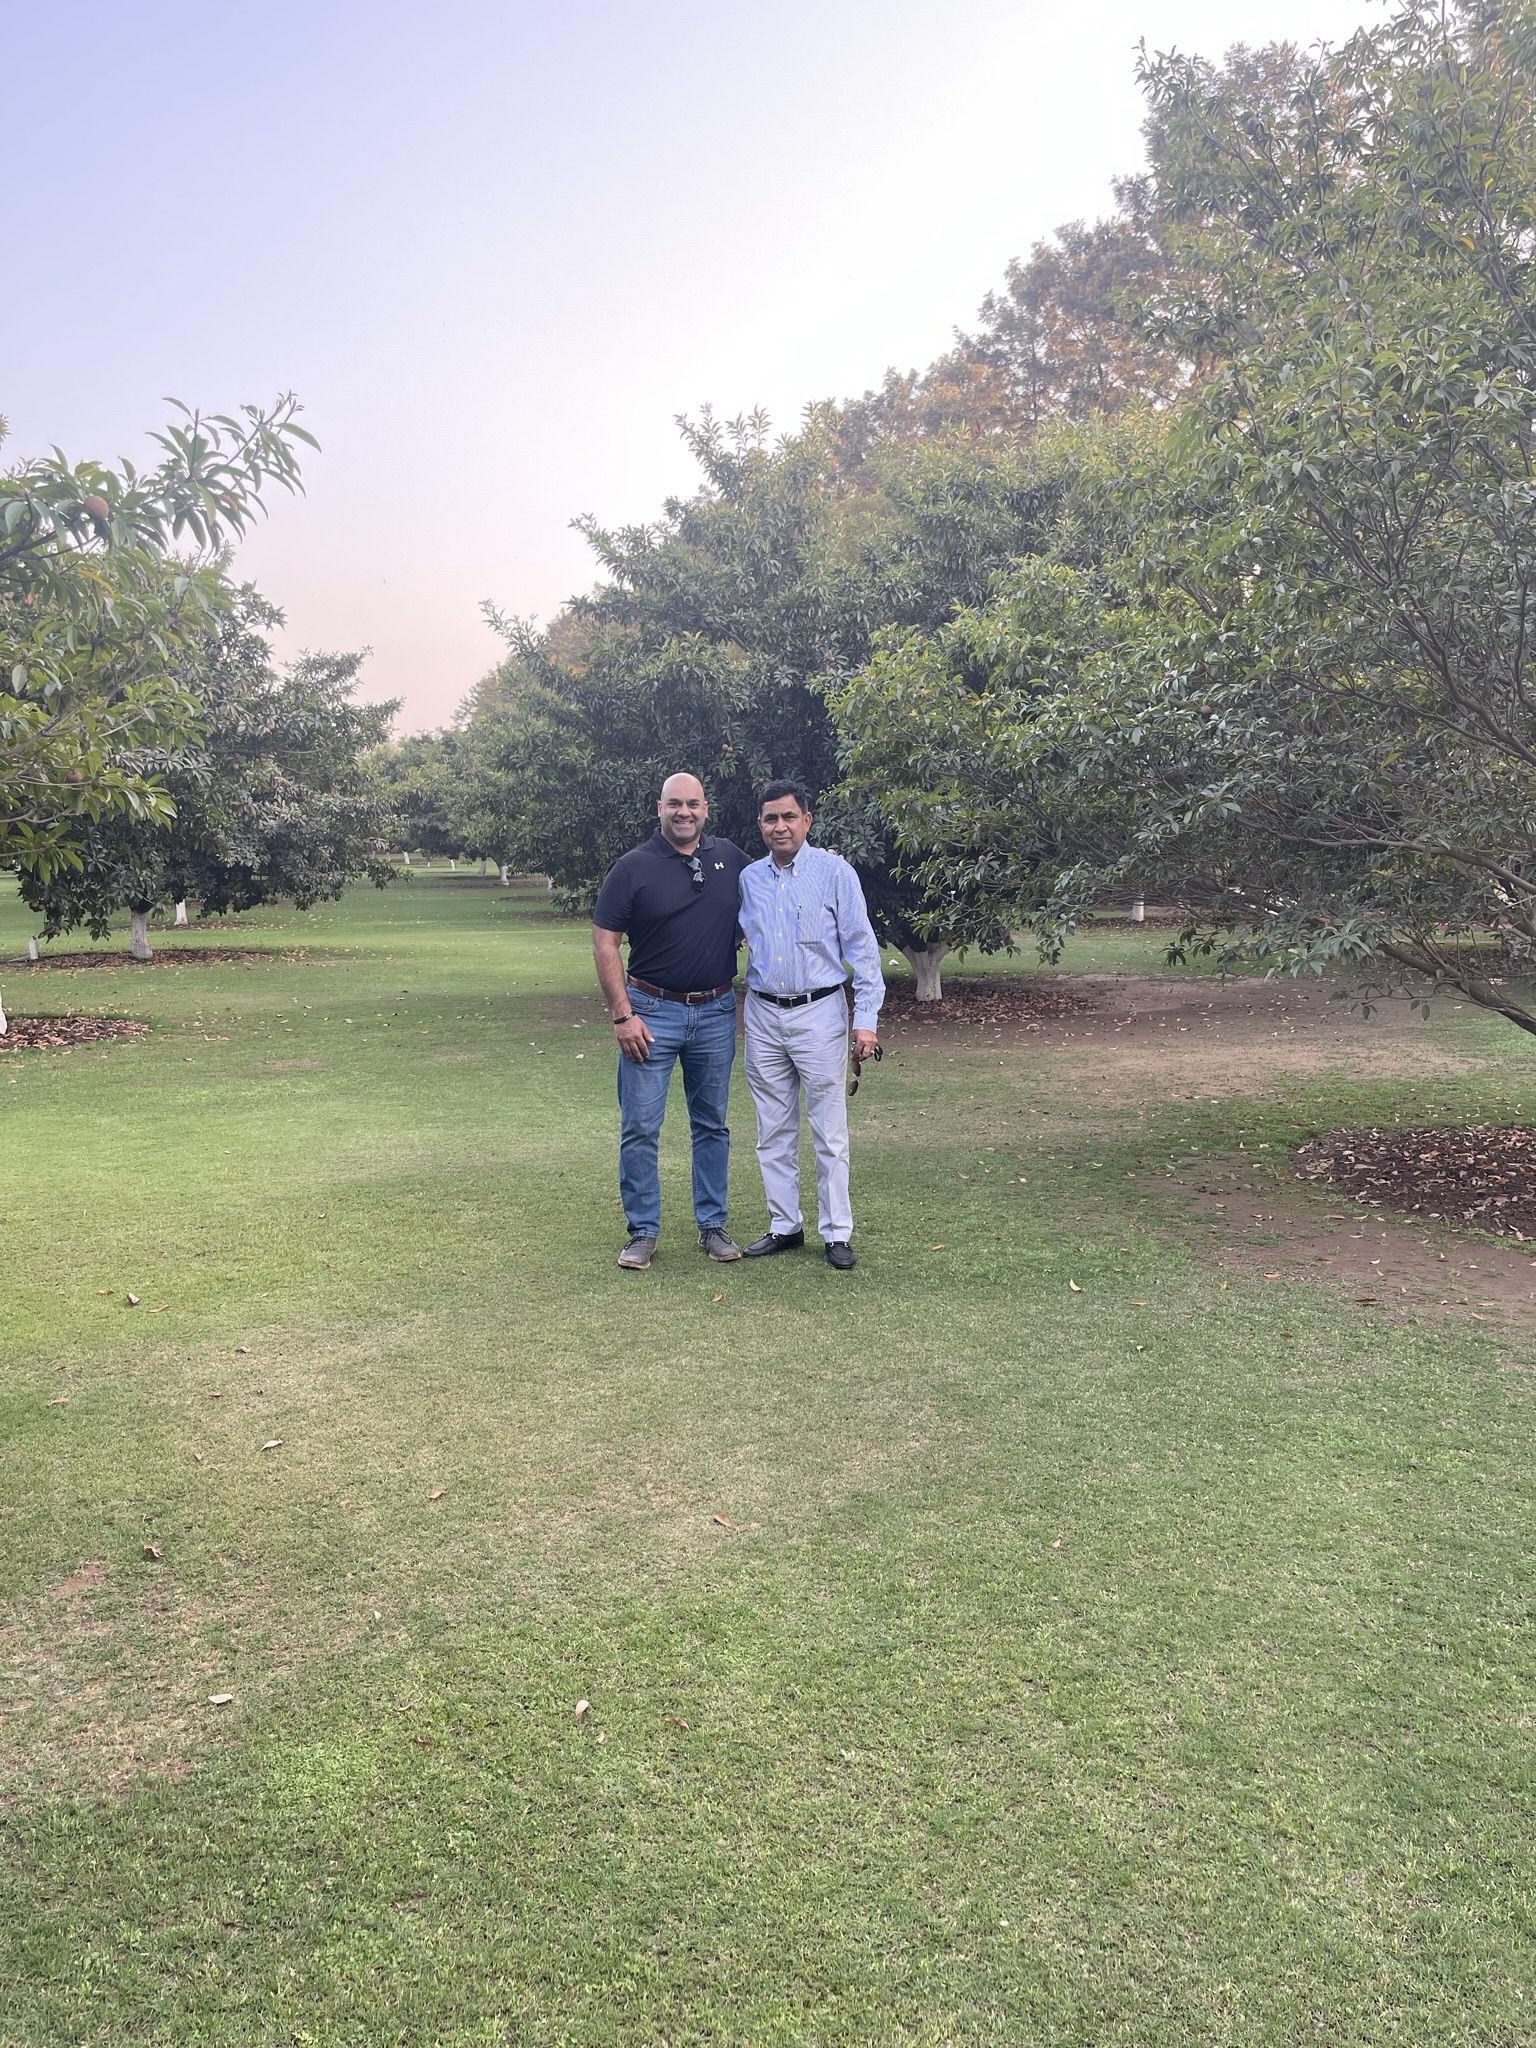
634, 1034
861, 949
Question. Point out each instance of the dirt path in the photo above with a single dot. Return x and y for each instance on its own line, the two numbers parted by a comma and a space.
1197, 1039
1141, 1039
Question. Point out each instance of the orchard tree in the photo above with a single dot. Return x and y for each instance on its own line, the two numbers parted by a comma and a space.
1073, 334
1303, 700
106, 575
708, 644
273, 801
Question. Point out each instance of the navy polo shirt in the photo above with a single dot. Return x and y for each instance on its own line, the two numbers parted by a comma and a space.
682, 933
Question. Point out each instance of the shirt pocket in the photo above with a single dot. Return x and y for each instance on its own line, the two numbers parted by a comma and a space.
816, 925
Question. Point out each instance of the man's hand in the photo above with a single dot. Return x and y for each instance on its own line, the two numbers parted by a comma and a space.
634, 1036
865, 1043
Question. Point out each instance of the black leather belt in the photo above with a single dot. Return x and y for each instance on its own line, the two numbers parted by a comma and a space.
678, 995
798, 1002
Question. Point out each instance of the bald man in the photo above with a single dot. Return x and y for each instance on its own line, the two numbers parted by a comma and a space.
675, 897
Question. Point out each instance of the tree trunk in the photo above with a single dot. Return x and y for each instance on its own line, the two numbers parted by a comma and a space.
453, 867
5, 1023
506, 879
1139, 910
925, 961
485, 867
181, 911
406, 858
31, 949
138, 925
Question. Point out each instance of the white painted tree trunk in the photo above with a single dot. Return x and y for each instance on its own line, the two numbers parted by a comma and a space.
1139, 910
485, 867
453, 867
925, 962
406, 858
138, 926
181, 911
5, 1022
506, 879
31, 949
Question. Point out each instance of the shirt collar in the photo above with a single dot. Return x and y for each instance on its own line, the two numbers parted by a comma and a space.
659, 839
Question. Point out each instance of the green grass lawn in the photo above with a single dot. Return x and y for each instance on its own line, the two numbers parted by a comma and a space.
970, 1659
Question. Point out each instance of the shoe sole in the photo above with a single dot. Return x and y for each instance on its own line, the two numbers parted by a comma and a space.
726, 1258
634, 1265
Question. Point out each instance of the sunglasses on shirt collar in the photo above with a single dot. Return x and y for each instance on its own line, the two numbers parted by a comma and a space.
696, 868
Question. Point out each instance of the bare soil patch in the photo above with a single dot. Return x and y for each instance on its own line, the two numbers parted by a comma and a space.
58, 1034
1379, 1262
169, 956
1201, 1038
1483, 1174
83, 1580
1020, 1001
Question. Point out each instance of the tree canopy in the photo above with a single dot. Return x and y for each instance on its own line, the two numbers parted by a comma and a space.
106, 574
270, 799
1297, 693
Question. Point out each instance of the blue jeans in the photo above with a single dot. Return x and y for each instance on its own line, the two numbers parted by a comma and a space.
703, 1037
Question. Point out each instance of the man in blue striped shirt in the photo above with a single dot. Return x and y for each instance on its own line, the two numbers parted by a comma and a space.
806, 923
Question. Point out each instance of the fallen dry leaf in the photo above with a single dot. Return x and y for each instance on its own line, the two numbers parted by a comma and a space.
272, 1443
717, 1297
425, 1741
1074, 1287
601, 1737
936, 1247
583, 1708
153, 1552
437, 1493
197, 1457
133, 1301
58, 1400
220, 1699
216, 1397
1057, 1544
160, 1308
1271, 1276
242, 1350
1138, 1304
104, 1290
723, 1520
677, 1721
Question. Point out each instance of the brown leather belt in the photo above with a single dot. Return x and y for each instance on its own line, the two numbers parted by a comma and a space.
678, 995
798, 1002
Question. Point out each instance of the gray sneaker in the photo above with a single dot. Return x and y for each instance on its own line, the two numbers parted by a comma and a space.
719, 1245
636, 1255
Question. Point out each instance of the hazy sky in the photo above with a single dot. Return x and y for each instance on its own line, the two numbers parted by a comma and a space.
496, 248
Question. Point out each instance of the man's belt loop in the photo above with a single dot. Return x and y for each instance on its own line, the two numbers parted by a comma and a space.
798, 1002
678, 995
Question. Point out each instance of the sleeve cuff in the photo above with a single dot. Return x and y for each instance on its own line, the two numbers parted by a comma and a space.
866, 1020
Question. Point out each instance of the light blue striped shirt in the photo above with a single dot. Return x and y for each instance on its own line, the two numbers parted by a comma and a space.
803, 923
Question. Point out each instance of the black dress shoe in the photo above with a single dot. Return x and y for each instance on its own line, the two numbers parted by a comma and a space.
765, 1247
841, 1256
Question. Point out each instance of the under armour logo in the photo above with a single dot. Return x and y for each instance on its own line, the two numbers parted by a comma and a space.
719, 867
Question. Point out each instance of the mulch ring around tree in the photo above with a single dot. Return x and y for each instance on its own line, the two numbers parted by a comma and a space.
168, 956
985, 1002
58, 1034
1484, 1175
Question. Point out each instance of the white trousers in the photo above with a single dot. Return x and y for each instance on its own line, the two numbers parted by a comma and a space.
790, 1054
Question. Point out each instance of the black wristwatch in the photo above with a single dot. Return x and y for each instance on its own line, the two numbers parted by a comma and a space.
625, 1019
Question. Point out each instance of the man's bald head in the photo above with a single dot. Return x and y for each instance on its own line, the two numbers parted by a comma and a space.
682, 809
